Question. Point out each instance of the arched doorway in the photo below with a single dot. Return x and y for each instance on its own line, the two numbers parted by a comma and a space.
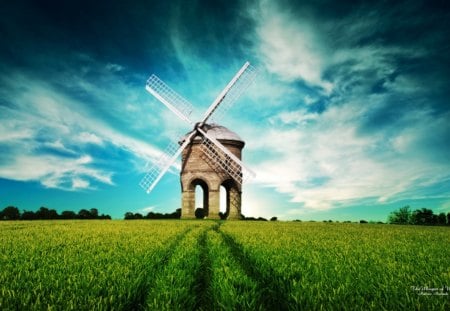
201, 198
230, 200
224, 202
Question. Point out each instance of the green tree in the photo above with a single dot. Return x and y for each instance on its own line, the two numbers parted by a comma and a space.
84, 214
129, 215
401, 216
43, 213
94, 213
28, 215
10, 213
441, 219
103, 216
424, 216
53, 214
68, 215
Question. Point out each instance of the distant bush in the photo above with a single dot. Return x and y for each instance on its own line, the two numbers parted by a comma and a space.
223, 216
255, 219
199, 213
153, 215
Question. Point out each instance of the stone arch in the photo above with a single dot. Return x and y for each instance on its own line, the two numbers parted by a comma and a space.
224, 199
233, 199
204, 185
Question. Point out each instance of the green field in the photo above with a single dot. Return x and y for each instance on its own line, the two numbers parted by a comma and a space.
209, 265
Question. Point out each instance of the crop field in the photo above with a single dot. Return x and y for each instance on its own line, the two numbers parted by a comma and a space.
214, 265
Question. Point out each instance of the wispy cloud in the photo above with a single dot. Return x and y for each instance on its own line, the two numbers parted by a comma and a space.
290, 47
146, 210
326, 162
51, 135
54, 171
372, 139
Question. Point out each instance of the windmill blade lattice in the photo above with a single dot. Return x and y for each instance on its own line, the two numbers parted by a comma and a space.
171, 99
220, 155
241, 84
156, 169
212, 148
168, 157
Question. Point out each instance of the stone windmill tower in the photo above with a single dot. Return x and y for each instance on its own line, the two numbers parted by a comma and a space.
211, 154
199, 168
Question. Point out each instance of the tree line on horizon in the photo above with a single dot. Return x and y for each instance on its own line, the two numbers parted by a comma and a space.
199, 214
153, 215
423, 216
44, 213
402, 216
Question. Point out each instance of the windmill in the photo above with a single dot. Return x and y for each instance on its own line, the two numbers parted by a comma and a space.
213, 151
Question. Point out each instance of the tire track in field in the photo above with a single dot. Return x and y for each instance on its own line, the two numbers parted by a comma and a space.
137, 302
273, 292
202, 288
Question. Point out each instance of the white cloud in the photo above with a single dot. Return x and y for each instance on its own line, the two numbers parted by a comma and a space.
114, 67
10, 131
58, 146
290, 47
40, 116
295, 117
87, 137
78, 183
55, 172
322, 159
322, 164
146, 210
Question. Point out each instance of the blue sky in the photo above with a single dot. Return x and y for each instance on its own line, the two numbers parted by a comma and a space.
348, 118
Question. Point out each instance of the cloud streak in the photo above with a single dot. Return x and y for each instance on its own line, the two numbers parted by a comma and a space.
289, 47
52, 137
362, 134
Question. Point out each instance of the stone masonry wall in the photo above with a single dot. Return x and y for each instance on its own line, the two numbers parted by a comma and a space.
198, 169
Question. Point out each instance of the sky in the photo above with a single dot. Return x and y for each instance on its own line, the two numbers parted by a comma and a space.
348, 119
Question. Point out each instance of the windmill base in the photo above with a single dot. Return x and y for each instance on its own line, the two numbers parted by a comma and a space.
211, 205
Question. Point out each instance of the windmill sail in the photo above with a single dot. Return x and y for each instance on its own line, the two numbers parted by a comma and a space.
232, 92
157, 171
171, 99
211, 147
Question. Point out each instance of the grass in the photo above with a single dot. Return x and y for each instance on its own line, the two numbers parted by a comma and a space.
208, 265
